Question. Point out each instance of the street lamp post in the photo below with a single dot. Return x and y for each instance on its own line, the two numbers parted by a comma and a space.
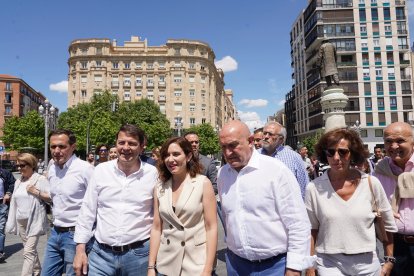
178, 125
47, 111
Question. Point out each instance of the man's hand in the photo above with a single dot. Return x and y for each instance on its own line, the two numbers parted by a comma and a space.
291, 272
32, 190
310, 272
6, 198
80, 263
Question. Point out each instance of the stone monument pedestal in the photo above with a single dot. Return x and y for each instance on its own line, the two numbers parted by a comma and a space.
333, 102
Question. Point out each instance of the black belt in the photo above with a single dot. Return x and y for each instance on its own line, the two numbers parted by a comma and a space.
406, 238
64, 229
273, 258
123, 248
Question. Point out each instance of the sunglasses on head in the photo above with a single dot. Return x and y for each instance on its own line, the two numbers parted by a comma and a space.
341, 152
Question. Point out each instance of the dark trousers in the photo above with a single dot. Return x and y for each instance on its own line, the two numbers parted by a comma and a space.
404, 253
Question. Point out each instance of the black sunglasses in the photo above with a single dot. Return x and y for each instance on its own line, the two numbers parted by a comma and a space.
19, 166
331, 152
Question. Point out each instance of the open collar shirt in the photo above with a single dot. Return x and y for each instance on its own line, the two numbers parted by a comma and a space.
67, 188
121, 205
405, 223
294, 162
263, 212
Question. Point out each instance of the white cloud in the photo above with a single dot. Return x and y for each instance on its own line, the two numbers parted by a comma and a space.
253, 103
272, 85
410, 7
251, 119
281, 103
227, 64
61, 87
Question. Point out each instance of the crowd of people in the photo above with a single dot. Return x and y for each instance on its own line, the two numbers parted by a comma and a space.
124, 213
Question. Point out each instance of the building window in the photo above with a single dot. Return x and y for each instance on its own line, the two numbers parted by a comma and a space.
192, 121
387, 27
192, 78
178, 106
150, 66
369, 119
8, 86
83, 93
202, 67
368, 103
203, 94
203, 79
98, 63
98, 78
161, 64
363, 28
150, 81
380, 103
127, 95
365, 72
84, 64
138, 93
377, 57
203, 120
374, 13
365, 58
8, 110
162, 108
98, 50
115, 65
138, 80
192, 107
380, 87
127, 81
376, 42
176, 51
362, 15
190, 52
177, 63
150, 94
203, 107
127, 65
138, 65
393, 102
391, 72
364, 43
177, 92
379, 133
378, 72
177, 78
192, 92
84, 79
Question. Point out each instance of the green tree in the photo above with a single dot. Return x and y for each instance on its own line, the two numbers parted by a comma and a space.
27, 131
105, 122
311, 141
209, 143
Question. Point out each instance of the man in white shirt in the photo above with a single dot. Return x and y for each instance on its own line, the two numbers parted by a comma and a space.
119, 201
68, 176
268, 230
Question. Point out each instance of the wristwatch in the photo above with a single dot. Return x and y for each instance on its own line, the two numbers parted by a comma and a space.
390, 259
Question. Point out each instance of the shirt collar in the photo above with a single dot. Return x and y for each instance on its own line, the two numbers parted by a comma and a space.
67, 163
253, 162
396, 170
277, 150
119, 171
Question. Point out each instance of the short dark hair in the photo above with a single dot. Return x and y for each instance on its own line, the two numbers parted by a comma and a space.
193, 166
134, 131
378, 147
67, 132
331, 138
190, 133
98, 148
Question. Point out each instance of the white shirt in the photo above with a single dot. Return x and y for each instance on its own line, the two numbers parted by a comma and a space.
264, 212
121, 205
22, 200
67, 188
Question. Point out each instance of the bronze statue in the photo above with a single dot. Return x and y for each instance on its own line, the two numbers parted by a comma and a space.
326, 63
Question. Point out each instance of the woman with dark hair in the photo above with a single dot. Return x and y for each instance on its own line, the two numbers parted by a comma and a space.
102, 153
184, 232
340, 209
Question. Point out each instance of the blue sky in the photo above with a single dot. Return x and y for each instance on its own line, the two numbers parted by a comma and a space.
250, 37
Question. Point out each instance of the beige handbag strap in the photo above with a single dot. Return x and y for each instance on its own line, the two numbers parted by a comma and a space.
373, 195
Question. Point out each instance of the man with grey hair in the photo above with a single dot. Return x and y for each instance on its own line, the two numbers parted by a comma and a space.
274, 135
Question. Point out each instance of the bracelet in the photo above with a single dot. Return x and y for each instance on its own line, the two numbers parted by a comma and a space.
390, 259
38, 194
152, 267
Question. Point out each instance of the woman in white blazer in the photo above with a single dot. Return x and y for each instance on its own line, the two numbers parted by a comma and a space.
27, 214
184, 232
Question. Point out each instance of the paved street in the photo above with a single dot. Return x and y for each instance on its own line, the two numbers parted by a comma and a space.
14, 250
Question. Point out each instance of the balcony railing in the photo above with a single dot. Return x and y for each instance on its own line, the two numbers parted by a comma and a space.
115, 84
399, 2
407, 106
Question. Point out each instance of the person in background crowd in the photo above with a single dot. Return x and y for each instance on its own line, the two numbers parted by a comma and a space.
303, 151
208, 166
155, 153
316, 166
340, 208
265, 218
143, 156
91, 158
184, 215
118, 211
27, 215
68, 177
274, 135
396, 174
257, 138
378, 156
102, 153
40, 166
6, 190
113, 153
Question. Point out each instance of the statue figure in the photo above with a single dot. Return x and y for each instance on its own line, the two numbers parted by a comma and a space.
326, 63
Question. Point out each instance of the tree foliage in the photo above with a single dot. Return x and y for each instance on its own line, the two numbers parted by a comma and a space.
311, 141
27, 131
209, 143
105, 122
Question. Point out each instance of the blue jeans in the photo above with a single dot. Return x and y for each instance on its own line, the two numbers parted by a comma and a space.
3, 219
104, 261
59, 254
237, 266
404, 253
